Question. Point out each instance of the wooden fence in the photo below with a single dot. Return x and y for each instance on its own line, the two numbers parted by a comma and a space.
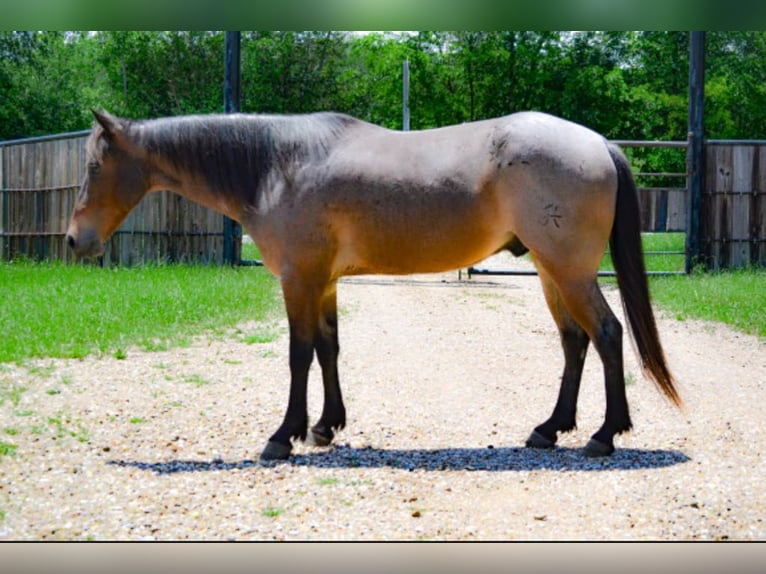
39, 179
733, 219
663, 207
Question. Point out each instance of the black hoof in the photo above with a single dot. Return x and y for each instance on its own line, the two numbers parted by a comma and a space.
316, 438
597, 448
276, 451
536, 440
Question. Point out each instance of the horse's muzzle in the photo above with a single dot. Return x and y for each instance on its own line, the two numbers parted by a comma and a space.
84, 244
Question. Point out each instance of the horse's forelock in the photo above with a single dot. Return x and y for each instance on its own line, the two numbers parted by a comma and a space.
100, 139
95, 145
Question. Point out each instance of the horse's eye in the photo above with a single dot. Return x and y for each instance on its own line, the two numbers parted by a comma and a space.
94, 168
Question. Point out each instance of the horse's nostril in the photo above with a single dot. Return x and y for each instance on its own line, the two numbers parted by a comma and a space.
70, 241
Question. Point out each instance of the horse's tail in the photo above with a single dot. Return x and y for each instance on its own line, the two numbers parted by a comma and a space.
628, 258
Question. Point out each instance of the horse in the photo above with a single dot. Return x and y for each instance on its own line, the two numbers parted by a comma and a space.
326, 195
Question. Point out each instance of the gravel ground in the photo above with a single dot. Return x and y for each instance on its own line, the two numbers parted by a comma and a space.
443, 381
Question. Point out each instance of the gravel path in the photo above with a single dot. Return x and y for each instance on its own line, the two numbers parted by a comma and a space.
443, 380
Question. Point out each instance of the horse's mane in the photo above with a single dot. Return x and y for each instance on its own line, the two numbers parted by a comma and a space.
234, 153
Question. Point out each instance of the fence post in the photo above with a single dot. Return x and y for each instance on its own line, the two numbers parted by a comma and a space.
4, 241
232, 232
696, 149
406, 95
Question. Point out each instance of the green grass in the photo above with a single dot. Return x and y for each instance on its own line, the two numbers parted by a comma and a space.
259, 337
196, 380
272, 512
7, 448
250, 252
55, 310
11, 393
326, 481
737, 298
654, 245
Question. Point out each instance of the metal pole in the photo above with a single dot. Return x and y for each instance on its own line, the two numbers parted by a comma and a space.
406, 96
232, 232
696, 150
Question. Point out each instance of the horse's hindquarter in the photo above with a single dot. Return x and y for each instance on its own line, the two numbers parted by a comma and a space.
557, 182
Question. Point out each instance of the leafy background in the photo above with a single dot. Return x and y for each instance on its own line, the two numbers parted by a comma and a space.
627, 85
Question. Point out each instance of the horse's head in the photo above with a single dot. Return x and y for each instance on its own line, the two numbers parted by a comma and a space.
115, 181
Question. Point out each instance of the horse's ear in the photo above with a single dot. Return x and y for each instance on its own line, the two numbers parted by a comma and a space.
110, 123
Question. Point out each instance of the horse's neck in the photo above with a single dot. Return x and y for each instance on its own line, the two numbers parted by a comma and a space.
212, 167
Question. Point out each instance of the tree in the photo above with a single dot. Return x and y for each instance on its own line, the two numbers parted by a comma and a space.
735, 103
40, 75
627, 85
292, 72
151, 74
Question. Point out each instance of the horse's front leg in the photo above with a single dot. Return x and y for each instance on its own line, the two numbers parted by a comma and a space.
302, 303
334, 412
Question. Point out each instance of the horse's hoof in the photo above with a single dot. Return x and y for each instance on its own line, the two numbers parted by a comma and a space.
316, 439
276, 451
597, 448
536, 440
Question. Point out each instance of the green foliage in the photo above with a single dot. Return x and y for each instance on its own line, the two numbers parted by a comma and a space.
40, 73
627, 85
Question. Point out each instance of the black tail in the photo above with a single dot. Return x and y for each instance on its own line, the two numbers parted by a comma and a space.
628, 258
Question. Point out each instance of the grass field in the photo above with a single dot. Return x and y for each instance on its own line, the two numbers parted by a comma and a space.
661, 253
54, 310
737, 298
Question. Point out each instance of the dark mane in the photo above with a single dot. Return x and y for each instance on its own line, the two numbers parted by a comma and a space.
235, 153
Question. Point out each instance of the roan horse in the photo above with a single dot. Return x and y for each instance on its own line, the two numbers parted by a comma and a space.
326, 195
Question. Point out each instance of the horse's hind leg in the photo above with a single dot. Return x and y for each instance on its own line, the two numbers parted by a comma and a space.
587, 305
574, 341
334, 412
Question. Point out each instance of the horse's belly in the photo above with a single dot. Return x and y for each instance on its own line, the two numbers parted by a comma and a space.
427, 245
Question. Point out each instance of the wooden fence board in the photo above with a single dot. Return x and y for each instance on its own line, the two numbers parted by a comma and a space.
733, 210
662, 208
